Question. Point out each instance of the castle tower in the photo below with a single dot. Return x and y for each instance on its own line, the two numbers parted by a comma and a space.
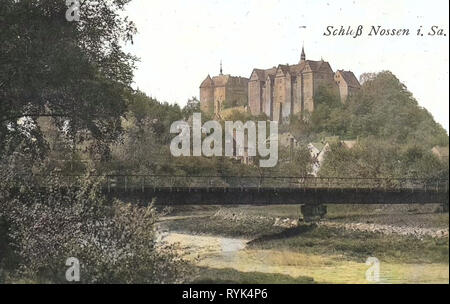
303, 56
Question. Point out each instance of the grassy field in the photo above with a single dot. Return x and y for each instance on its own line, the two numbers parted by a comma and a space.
357, 246
232, 276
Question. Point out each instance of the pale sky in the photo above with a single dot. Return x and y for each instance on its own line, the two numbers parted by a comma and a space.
180, 42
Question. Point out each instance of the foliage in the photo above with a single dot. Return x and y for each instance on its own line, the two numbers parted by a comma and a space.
115, 242
381, 158
192, 106
357, 246
395, 135
327, 115
382, 108
160, 115
297, 162
74, 72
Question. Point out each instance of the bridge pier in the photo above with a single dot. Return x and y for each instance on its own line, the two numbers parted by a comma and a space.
445, 207
313, 212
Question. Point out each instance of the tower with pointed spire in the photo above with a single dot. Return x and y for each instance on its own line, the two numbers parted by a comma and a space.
303, 56
223, 92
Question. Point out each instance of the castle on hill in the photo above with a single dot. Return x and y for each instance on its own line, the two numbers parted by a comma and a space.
278, 92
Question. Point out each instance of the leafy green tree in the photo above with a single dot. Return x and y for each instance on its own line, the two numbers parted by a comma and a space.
375, 158
114, 242
384, 108
160, 115
192, 106
324, 118
294, 162
74, 72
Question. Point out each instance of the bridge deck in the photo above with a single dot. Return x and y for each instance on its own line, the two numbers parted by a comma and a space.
274, 196
224, 190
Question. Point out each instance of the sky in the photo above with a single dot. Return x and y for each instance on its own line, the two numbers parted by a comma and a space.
180, 42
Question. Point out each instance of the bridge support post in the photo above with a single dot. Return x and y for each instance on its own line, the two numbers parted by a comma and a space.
313, 212
445, 207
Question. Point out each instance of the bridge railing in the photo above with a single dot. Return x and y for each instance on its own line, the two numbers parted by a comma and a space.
136, 182
142, 182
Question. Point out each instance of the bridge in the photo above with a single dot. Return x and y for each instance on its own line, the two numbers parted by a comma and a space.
313, 193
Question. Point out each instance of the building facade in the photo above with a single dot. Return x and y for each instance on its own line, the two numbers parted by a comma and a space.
347, 83
223, 92
279, 91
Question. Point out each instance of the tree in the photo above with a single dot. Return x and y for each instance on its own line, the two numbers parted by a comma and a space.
74, 72
114, 242
384, 108
328, 112
192, 106
376, 158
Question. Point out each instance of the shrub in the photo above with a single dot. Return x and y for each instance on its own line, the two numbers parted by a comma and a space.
46, 223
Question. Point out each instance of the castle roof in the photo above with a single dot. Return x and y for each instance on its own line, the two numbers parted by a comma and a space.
349, 78
259, 73
263, 74
314, 66
296, 69
207, 82
221, 80
284, 68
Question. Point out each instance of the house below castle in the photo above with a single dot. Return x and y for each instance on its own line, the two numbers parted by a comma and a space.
279, 91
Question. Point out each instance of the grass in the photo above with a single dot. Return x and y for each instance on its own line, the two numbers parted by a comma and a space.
356, 245
250, 228
424, 216
256, 222
351, 212
232, 276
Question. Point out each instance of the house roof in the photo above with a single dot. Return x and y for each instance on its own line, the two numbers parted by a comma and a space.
349, 144
349, 78
441, 151
333, 139
318, 145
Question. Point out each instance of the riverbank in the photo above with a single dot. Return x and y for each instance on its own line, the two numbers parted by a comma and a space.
266, 245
